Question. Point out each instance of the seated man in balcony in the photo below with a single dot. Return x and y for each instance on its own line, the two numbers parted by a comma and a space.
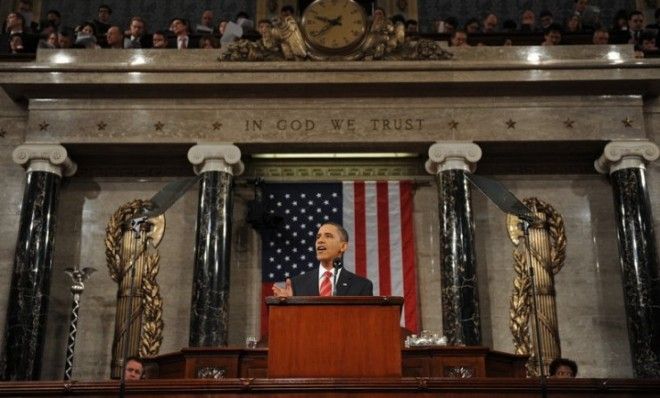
134, 369
562, 368
331, 243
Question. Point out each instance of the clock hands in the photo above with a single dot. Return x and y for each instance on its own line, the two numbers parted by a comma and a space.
329, 24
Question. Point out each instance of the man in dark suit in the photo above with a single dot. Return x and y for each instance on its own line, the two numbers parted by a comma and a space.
331, 243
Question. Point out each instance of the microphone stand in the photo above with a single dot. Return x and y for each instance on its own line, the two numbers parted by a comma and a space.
337, 265
138, 225
530, 271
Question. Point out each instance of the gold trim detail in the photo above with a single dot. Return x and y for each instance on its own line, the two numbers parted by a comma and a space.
548, 252
145, 335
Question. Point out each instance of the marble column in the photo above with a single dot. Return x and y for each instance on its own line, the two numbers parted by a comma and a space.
209, 315
625, 162
27, 308
449, 162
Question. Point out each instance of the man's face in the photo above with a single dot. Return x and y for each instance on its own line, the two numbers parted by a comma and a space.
113, 36
207, 18
601, 37
460, 39
329, 243
159, 41
63, 41
490, 23
553, 38
649, 44
581, 5
137, 28
133, 370
264, 29
636, 22
528, 17
104, 14
564, 372
13, 21
52, 17
178, 27
472, 28
546, 20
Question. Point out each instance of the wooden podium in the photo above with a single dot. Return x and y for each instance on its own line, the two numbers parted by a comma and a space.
334, 337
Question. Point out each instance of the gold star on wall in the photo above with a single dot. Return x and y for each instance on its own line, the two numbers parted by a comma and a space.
453, 125
568, 123
102, 125
159, 126
217, 125
510, 124
43, 126
627, 122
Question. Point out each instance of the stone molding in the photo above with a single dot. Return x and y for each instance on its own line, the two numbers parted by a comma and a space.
216, 157
51, 158
626, 154
453, 155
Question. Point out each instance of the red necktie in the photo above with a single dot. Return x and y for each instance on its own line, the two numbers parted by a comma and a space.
326, 284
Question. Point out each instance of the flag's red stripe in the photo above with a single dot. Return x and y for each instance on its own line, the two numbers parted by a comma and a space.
408, 255
383, 215
360, 237
266, 290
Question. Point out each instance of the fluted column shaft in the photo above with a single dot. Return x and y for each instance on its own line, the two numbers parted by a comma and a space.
450, 161
625, 162
209, 316
27, 308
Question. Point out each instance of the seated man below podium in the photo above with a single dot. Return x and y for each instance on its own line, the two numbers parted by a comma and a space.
331, 243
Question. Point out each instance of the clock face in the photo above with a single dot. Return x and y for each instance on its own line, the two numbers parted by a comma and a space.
334, 25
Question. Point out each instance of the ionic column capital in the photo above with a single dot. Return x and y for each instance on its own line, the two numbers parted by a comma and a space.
216, 157
626, 154
51, 158
453, 155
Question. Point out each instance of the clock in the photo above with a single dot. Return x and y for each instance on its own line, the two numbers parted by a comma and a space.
334, 26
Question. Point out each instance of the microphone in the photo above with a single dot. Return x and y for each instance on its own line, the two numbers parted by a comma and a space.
337, 265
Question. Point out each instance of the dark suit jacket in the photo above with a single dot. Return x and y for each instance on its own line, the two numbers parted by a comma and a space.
348, 284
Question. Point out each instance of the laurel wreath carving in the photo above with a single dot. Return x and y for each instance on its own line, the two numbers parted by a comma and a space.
152, 303
520, 307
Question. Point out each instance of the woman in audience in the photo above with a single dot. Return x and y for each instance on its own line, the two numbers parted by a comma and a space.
573, 24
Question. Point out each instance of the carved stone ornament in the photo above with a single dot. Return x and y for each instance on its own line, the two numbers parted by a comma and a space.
619, 155
216, 157
380, 40
452, 155
51, 158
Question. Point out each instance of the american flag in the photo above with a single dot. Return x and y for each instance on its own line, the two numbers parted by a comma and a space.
378, 216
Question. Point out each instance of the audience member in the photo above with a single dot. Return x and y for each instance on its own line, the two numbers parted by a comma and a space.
552, 35
563, 368
15, 25
648, 41
546, 19
159, 39
459, 39
102, 21
206, 23
179, 27
65, 38
85, 35
573, 24
243, 20
54, 17
208, 42
25, 9
134, 369
472, 26
451, 24
528, 21
635, 28
114, 38
16, 43
601, 36
52, 40
589, 16
137, 36
489, 23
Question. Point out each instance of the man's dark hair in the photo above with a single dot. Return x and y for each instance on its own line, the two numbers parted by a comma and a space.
106, 7
55, 12
135, 359
636, 12
342, 231
242, 14
471, 21
557, 362
287, 9
545, 13
555, 27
